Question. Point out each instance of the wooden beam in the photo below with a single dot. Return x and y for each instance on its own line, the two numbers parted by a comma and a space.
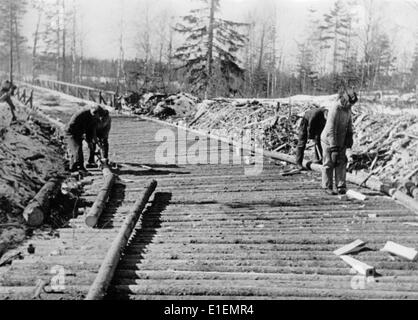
34, 214
108, 267
95, 212
401, 251
361, 267
356, 195
355, 246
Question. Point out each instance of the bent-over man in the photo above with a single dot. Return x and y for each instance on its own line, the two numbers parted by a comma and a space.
83, 123
311, 126
102, 134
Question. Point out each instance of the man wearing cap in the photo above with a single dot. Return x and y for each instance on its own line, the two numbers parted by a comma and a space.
311, 126
84, 122
336, 138
102, 133
6, 91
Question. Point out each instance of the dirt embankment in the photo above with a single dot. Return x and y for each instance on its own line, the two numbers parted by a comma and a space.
30, 153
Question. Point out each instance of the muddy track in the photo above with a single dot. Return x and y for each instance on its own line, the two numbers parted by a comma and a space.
210, 231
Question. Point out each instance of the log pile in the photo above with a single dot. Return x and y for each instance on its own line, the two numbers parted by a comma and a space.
386, 145
267, 125
163, 105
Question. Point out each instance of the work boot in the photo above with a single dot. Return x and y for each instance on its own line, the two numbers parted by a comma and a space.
300, 167
342, 191
91, 165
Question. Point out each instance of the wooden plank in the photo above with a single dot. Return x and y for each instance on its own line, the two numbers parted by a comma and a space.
401, 251
360, 267
356, 195
355, 246
108, 267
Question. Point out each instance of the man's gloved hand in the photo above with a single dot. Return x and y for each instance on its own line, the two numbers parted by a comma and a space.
335, 152
13, 89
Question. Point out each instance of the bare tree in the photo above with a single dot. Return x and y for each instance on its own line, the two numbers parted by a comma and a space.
39, 7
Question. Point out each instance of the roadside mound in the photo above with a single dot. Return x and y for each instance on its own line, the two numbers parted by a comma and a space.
30, 153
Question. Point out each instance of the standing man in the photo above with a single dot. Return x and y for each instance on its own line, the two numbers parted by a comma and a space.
102, 133
336, 138
6, 91
311, 126
83, 123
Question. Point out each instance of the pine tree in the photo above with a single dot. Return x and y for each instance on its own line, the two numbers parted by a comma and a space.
211, 43
334, 30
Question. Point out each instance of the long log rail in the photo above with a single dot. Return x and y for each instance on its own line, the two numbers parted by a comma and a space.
212, 232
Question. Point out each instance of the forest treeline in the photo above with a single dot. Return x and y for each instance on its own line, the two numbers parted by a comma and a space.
205, 54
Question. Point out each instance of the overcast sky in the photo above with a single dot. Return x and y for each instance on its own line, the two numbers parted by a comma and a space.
101, 20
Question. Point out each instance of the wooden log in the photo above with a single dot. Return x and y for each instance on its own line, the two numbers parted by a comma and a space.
411, 174
291, 173
401, 251
107, 269
350, 248
8, 225
361, 267
95, 212
8, 258
280, 148
36, 211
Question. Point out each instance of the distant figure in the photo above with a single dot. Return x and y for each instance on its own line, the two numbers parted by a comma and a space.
6, 91
84, 122
336, 137
311, 126
102, 134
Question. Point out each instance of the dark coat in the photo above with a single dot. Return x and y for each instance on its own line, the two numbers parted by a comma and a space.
316, 122
83, 122
104, 126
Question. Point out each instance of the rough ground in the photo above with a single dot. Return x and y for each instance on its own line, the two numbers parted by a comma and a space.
29, 156
211, 231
